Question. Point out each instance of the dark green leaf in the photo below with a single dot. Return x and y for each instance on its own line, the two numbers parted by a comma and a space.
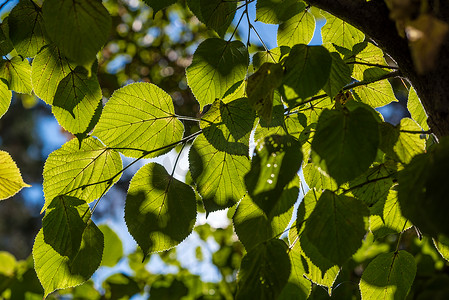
277, 11
160, 211
307, 70
336, 226
6, 45
340, 76
158, 5
264, 271
388, 276
274, 165
346, 142
218, 14
217, 65
79, 28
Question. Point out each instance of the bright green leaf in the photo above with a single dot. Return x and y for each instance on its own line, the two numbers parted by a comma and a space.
416, 109
316, 178
8, 265
339, 32
277, 11
253, 226
297, 30
340, 76
346, 142
17, 74
27, 29
217, 65
365, 55
307, 70
76, 100
48, 69
409, 142
377, 93
56, 271
79, 28
160, 211
10, 178
271, 56
442, 245
273, 166
218, 14
388, 276
113, 248
139, 116
336, 226
5, 98
264, 271
84, 172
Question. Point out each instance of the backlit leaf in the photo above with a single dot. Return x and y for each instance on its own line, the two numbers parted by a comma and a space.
79, 28
316, 178
264, 271
160, 211
10, 178
364, 56
340, 76
340, 33
48, 69
76, 100
336, 226
277, 11
375, 94
218, 14
271, 56
27, 29
217, 65
388, 276
139, 116
297, 30
442, 245
113, 248
17, 74
5, 98
346, 142
72, 170
409, 142
416, 109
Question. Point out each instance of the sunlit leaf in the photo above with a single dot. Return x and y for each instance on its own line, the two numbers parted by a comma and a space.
442, 245
27, 29
264, 271
340, 33
409, 142
113, 248
277, 11
336, 226
76, 100
416, 109
346, 142
297, 30
364, 57
79, 28
84, 172
340, 76
139, 116
218, 14
48, 69
388, 276
16, 72
5, 98
271, 56
316, 178
307, 70
160, 211
10, 178
217, 65
375, 94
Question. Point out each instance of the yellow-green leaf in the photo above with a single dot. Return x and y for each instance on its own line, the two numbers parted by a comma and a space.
10, 178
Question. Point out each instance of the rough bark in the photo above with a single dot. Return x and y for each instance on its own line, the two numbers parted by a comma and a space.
373, 19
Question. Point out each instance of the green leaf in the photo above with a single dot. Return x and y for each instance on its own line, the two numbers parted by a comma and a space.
253, 226
76, 100
421, 192
277, 11
388, 276
139, 116
160, 211
416, 109
264, 271
260, 89
48, 69
307, 70
27, 29
11, 180
113, 248
336, 226
340, 76
346, 142
377, 93
273, 166
8, 265
218, 14
271, 56
17, 74
363, 56
217, 65
297, 30
442, 245
218, 175
409, 143
79, 28
158, 5
64, 223
340, 33
315, 178
5, 43
84, 172
56, 271
5, 98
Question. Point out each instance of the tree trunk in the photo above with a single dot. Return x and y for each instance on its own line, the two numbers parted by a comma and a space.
373, 19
